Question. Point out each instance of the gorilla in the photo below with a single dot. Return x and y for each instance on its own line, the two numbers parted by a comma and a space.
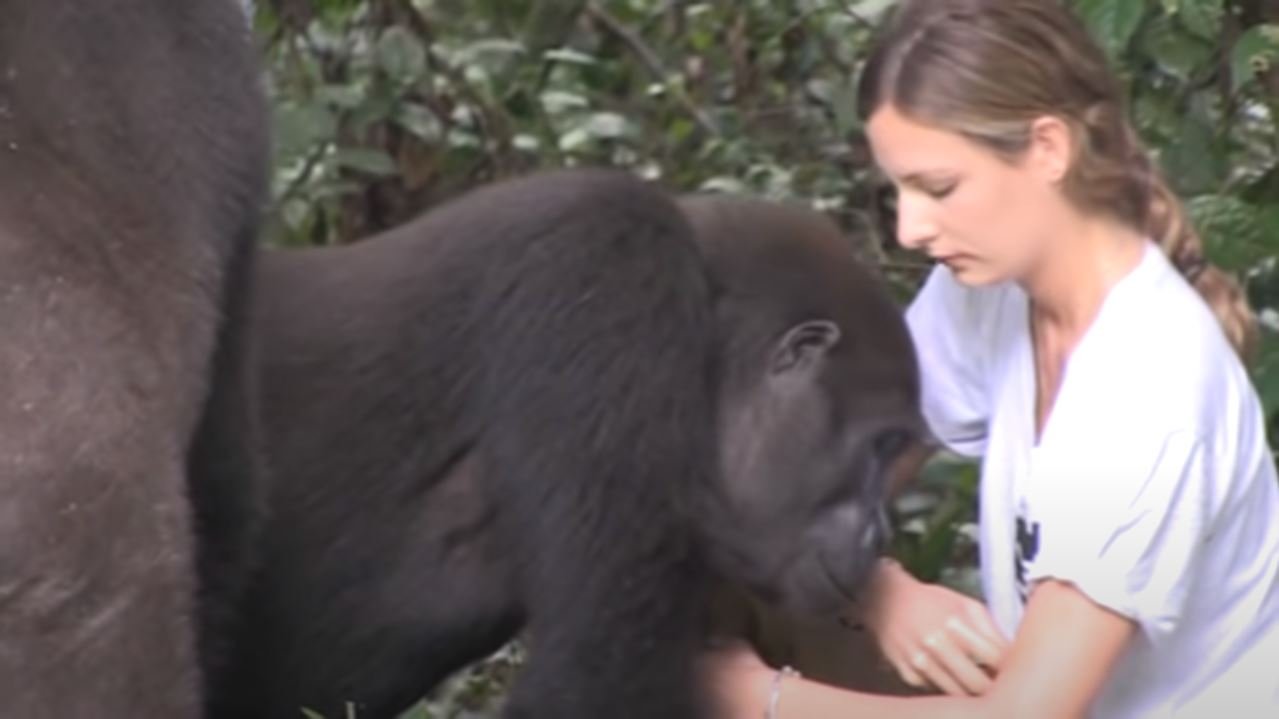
569, 404
133, 159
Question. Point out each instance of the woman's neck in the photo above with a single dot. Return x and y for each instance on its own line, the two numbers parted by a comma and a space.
1070, 283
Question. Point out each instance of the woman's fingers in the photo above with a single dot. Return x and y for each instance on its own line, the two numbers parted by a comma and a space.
905, 658
908, 674
981, 620
959, 666
974, 644
920, 668
927, 664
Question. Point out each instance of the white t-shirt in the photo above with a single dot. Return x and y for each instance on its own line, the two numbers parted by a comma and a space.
1152, 488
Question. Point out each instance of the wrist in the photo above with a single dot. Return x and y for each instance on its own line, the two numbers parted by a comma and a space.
778, 681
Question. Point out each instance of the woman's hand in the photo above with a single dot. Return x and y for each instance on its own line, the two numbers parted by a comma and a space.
933, 635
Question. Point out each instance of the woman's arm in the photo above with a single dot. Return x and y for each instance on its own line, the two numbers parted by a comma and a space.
1064, 651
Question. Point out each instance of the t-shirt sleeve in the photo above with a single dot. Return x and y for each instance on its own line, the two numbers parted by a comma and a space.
1127, 526
945, 321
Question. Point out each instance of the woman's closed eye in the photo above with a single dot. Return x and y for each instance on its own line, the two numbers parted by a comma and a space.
935, 186
938, 190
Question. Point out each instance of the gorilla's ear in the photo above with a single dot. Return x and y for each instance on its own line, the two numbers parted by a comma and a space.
804, 344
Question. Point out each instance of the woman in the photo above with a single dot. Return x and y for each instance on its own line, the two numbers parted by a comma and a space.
1074, 338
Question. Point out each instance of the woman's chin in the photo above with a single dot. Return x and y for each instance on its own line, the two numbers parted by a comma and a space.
972, 273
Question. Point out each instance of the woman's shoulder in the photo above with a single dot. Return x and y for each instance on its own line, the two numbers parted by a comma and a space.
1159, 351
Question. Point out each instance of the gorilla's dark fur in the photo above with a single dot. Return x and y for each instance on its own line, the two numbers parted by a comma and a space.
548, 406
133, 151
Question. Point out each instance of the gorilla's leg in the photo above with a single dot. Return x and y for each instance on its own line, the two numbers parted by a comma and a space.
133, 143
374, 614
226, 475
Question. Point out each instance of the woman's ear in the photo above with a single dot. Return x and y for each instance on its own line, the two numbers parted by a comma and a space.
1051, 148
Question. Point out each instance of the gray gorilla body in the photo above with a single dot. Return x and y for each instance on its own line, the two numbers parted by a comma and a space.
569, 405
133, 154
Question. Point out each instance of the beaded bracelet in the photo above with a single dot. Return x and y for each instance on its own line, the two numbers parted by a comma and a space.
776, 694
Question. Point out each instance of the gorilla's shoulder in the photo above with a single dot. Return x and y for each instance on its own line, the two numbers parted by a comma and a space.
597, 190
568, 208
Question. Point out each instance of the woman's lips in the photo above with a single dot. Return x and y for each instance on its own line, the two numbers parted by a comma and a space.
953, 259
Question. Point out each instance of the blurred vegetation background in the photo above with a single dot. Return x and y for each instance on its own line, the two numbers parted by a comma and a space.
386, 108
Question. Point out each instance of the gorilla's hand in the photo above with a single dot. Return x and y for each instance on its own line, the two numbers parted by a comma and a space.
933, 635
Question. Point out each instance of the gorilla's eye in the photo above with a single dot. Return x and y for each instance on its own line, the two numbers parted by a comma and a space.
890, 443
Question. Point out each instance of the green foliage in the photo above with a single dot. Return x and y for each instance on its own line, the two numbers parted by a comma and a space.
387, 107
1255, 52
1112, 23
384, 108
936, 532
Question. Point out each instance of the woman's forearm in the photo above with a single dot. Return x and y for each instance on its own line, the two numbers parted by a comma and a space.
803, 699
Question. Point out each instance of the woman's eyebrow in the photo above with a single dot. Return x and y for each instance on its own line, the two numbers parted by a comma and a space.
928, 177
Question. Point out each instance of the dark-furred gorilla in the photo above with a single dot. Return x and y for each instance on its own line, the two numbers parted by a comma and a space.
569, 404
133, 158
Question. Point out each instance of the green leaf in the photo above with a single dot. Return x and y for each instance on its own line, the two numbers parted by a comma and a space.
569, 56
401, 54
1256, 51
491, 46
1231, 229
1268, 218
1202, 17
596, 126
557, 101
299, 127
343, 97
1266, 371
364, 159
419, 120
1156, 115
844, 102
1112, 22
1192, 161
608, 125
726, 185
574, 140
1175, 50
526, 142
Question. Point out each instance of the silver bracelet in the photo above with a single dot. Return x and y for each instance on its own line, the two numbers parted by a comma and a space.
775, 695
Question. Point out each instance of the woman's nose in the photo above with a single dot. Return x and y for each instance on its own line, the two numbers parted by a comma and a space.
915, 229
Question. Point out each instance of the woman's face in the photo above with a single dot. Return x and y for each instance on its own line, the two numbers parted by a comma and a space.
986, 218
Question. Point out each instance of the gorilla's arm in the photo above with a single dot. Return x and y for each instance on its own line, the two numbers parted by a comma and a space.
600, 399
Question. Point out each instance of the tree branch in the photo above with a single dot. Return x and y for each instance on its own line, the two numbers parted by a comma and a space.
649, 59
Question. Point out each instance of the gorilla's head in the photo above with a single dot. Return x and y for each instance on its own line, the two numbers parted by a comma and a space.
820, 395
